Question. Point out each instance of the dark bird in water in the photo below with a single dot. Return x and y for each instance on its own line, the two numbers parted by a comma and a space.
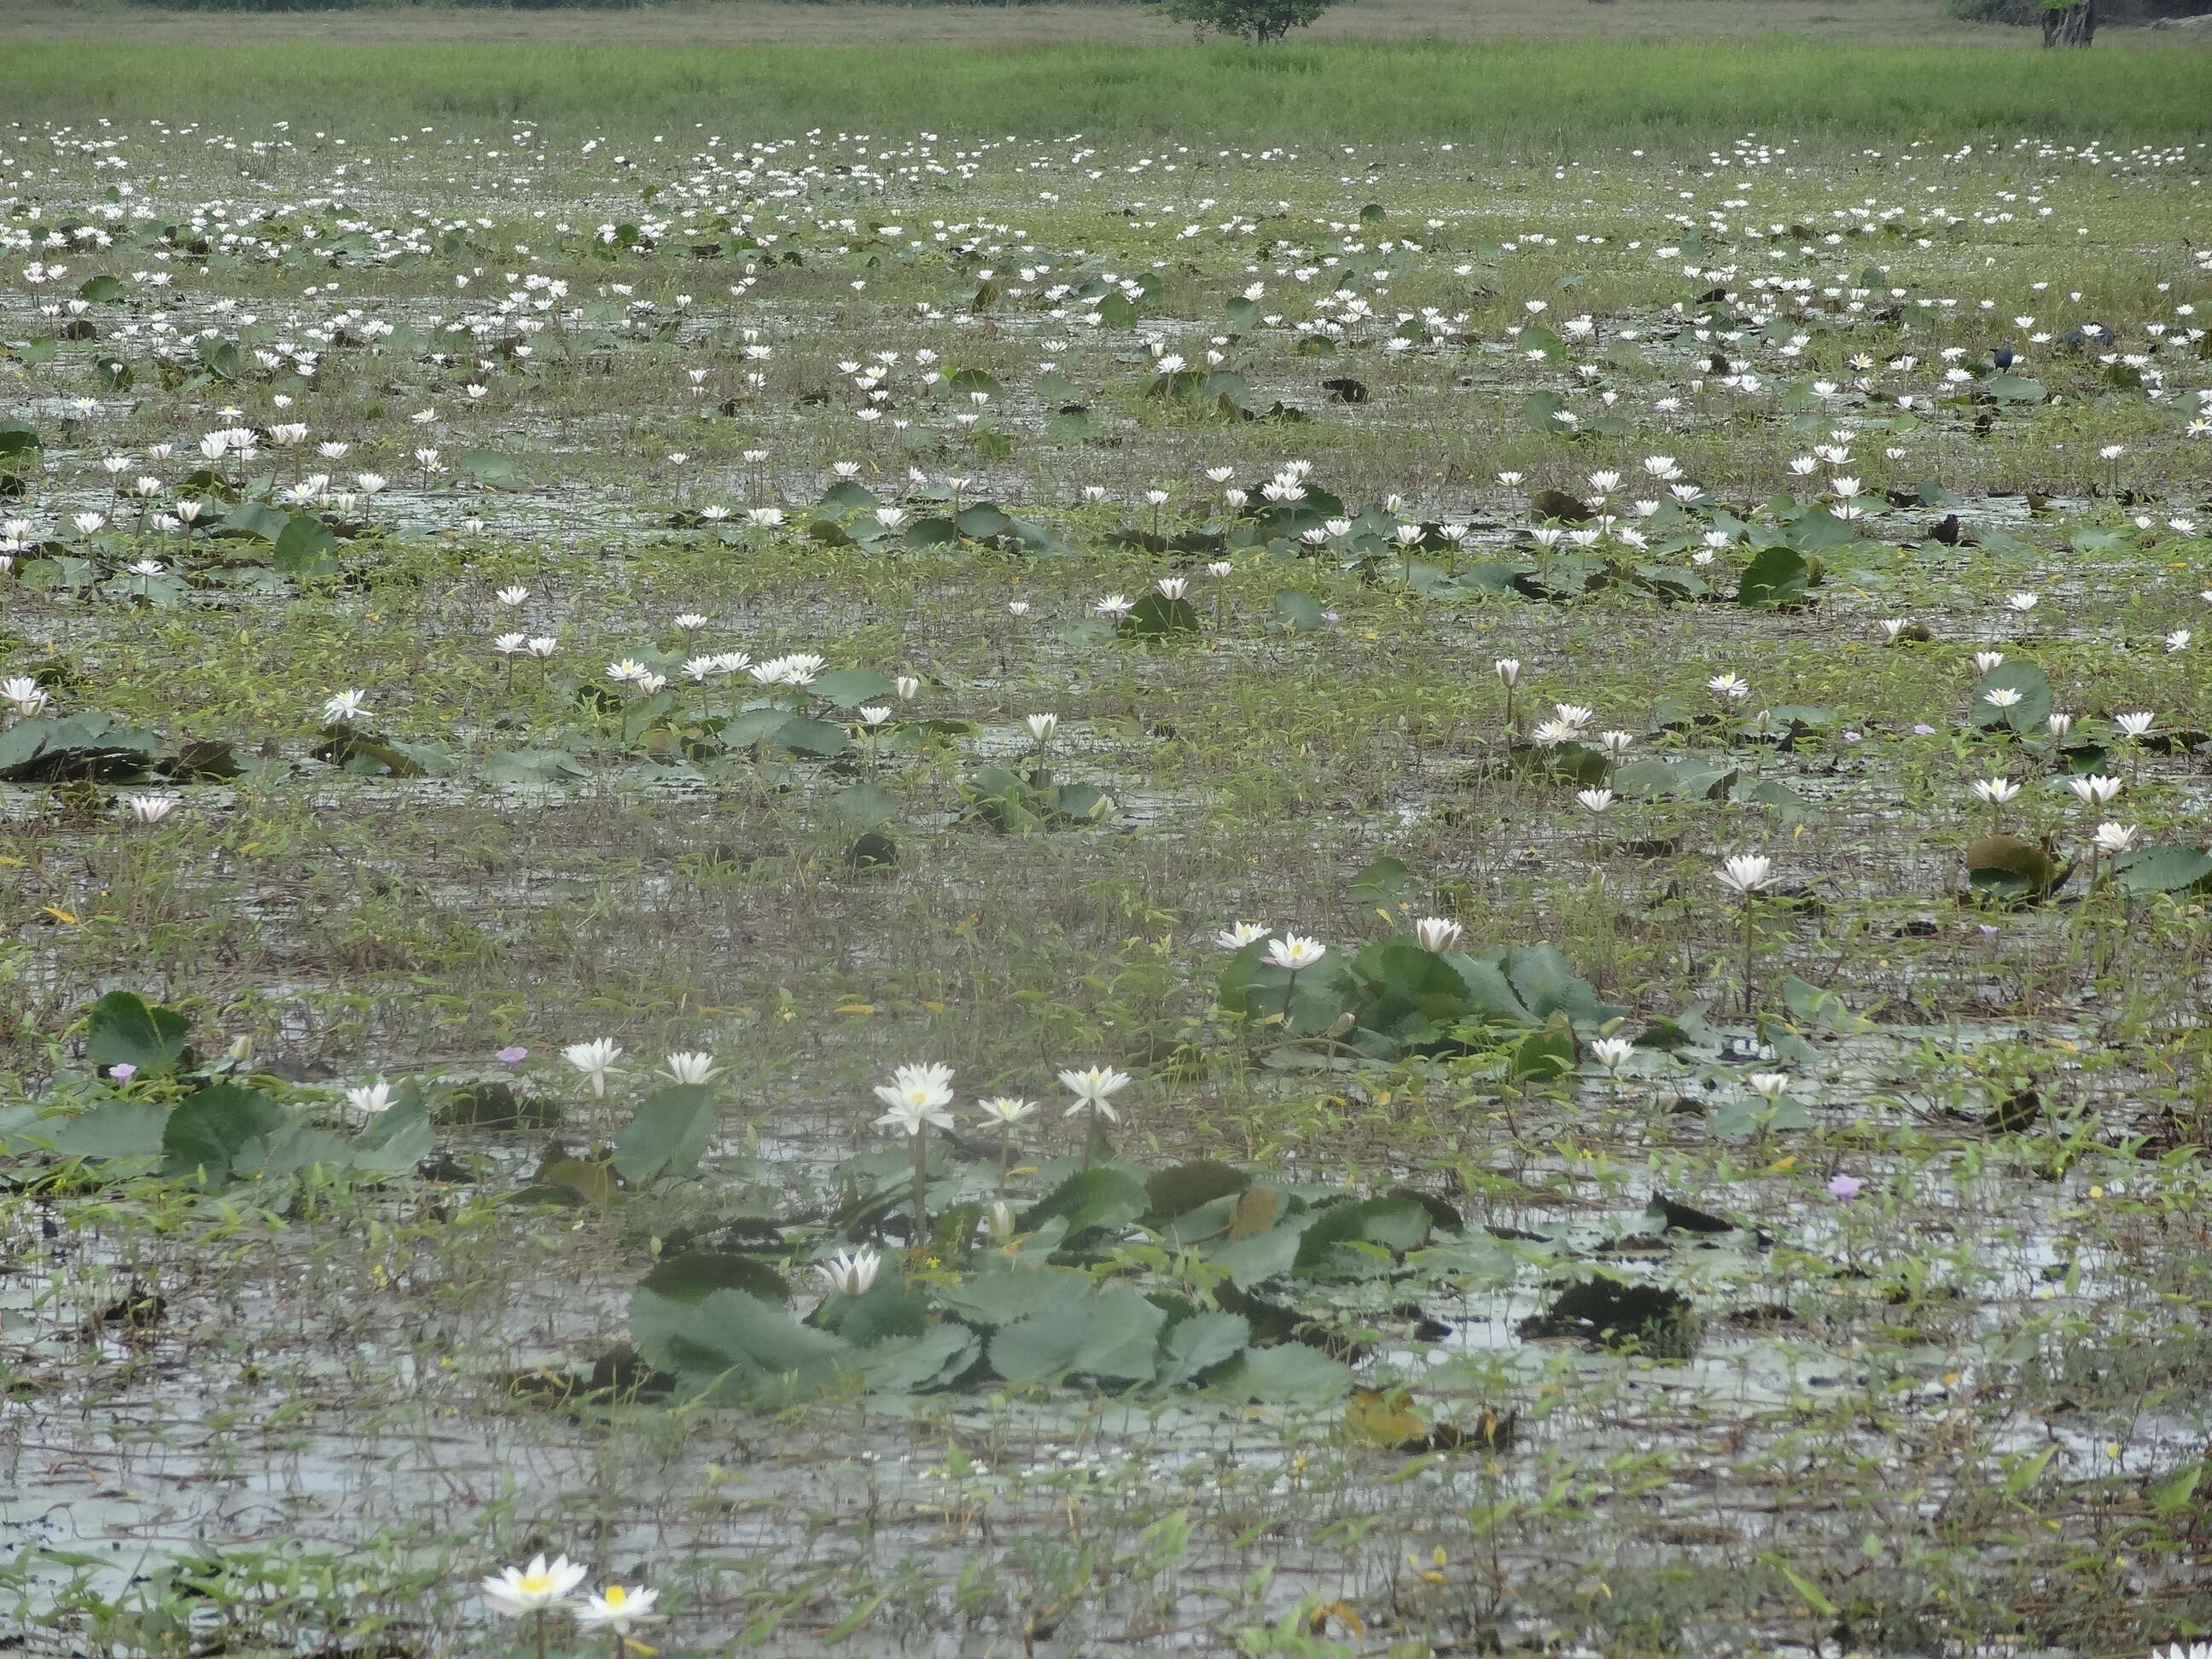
2002, 355
2075, 338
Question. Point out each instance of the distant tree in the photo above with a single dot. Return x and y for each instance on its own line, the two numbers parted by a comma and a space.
2068, 22
1256, 21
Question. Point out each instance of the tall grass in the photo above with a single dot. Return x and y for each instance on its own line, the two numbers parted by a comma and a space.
1519, 97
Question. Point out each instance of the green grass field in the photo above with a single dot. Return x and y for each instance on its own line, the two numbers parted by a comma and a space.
1516, 97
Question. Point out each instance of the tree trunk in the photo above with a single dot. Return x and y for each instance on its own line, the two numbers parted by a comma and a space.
2070, 26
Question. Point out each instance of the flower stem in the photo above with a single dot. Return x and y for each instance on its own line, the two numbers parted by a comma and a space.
1750, 943
920, 1188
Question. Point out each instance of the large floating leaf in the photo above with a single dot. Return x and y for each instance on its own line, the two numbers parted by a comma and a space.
1289, 1371
1262, 1255
1416, 992
849, 688
1526, 985
1113, 1334
114, 1129
2162, 870
255, 519
1778, 576
532, 766
802, 735
2022, 679
690, 1277
1386, 884
1009, 1296
1385, 1225
928, 1360
1300, 1004
88, 745
1298, 613
125, 1030
488, 466
668, 1135
1199, 1343
212, 1130
1182, 1187
1540, 412
306, 549
1158, 617
1090, 1198
736, 1346
1689, 778
846, 495
395, 1140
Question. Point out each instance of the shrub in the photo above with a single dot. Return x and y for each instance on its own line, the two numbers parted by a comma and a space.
1256, 21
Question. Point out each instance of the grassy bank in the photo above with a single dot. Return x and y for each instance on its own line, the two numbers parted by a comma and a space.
1519, 96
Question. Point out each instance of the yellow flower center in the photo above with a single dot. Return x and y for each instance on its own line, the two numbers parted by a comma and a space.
535, 1583
616, 1596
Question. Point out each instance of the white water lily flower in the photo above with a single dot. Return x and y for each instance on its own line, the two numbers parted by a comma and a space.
26, 694
1437, 934
149, 809
1612, 1052
618, 1609
694, 1067
1294, 951
594, 1060
370, 1098
517, 1592
851, 1272
1243, 933
1093, 1088
916, 1097
1747, 874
